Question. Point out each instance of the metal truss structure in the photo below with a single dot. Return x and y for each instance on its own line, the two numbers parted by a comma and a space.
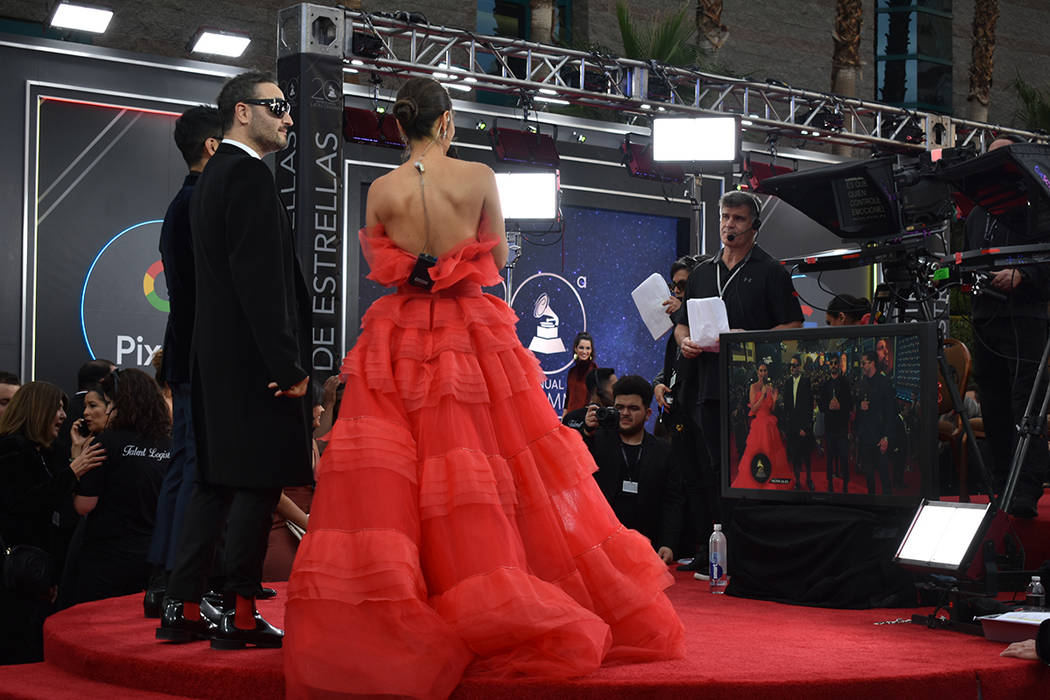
550, 75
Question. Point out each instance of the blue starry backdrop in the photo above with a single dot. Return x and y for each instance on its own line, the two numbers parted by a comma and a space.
564, 283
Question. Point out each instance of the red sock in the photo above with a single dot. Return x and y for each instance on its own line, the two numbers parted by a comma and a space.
191, 610
244, 616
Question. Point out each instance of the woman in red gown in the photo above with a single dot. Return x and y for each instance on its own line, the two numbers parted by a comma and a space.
763, 438
456, 528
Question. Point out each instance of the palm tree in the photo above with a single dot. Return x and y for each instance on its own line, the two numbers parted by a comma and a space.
1035, 106
982, 58
709, 28
667, 40
541, 21
845, 57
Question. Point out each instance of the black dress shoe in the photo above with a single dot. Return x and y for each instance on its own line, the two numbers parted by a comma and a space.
174, 627
265, 593
213, 609
153, 602
229, 636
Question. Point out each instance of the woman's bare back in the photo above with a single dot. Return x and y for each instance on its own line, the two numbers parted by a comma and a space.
458, 195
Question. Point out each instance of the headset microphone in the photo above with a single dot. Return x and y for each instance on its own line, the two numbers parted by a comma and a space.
730, 237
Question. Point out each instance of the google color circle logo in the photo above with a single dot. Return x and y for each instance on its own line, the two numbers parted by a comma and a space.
149, 287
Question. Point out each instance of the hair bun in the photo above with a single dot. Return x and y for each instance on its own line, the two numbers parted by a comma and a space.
406, 110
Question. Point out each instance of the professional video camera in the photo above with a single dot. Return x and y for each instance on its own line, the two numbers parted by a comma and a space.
882, 199
874, 200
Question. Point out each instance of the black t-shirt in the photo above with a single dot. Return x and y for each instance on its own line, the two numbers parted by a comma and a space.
127, 485
625, 504
758, 296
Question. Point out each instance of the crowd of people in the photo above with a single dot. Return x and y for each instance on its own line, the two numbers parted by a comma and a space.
449, 506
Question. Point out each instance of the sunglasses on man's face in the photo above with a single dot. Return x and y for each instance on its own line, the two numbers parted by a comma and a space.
277, 105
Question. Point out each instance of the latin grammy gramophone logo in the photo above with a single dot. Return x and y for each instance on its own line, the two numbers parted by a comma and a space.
551, 313
761, 468
546, 340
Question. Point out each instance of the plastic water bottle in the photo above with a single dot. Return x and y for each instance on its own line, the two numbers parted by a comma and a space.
1035, 595
716, 547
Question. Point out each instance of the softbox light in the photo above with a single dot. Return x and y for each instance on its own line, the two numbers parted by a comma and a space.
524, 147
706, 141
528, 196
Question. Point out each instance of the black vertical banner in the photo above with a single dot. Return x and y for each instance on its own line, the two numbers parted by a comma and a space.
309, 176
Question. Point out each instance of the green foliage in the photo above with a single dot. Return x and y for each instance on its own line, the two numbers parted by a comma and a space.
1035, 105
668, 40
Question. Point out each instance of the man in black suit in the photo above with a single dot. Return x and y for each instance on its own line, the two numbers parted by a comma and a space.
876, 420
198, 133
836, 402
797, 395
248, 357
636, 471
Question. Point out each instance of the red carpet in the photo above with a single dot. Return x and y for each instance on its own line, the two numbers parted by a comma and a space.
736, 649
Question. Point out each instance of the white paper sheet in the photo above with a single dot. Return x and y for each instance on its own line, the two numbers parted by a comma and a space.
707, 319
649, 297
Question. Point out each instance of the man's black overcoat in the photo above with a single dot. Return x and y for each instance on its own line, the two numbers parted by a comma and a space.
251, 327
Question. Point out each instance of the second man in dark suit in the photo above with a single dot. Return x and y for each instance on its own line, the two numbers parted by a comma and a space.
797, 395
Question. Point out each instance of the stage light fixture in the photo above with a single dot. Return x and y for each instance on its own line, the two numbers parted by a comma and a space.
366, 45
909, 133
707, 140
481, 125
638, 160
530, 147
528, 196
366, 126
84, 18
824, 119
219, 43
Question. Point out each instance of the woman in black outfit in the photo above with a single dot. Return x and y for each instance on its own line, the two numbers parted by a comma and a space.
31, 500
120, 497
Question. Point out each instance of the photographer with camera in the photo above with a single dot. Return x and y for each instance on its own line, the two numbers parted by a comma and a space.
636, 472
599, 384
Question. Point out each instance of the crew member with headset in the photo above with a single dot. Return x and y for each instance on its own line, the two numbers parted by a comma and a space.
758, 295
1010, 331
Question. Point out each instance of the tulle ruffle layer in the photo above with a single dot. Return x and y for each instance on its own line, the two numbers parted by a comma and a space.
456, 527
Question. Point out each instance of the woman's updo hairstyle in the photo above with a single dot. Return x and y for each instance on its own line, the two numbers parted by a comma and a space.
420, 101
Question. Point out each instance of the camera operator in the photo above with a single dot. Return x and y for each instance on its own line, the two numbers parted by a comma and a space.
635, 470
1010, 329
599, 384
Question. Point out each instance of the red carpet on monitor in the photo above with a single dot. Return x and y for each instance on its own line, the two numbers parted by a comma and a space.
736, 648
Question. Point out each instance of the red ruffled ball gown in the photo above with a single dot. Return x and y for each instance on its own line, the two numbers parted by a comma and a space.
456, 528
764, 438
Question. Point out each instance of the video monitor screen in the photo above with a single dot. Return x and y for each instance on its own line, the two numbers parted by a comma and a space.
835, 414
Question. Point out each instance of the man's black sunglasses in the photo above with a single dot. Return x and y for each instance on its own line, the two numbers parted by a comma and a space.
277, 106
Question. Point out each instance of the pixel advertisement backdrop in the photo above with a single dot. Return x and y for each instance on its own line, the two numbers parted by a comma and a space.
105, 178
